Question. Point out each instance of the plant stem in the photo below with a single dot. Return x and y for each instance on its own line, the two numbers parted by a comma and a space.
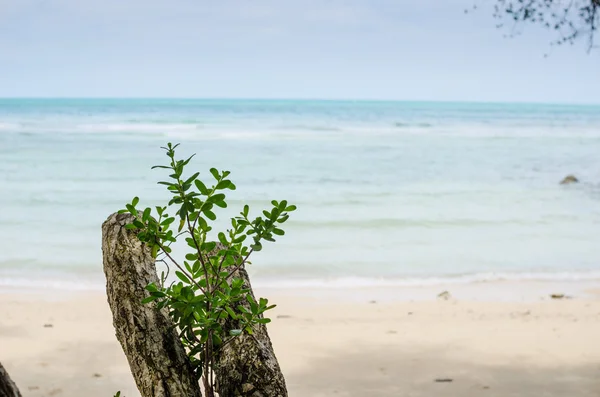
238, 267
180, 268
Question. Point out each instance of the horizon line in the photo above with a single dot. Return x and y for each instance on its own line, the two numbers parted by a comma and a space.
302, 99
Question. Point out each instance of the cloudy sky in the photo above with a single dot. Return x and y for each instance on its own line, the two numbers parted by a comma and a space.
349, 49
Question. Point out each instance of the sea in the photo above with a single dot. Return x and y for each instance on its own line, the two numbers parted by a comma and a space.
388, 193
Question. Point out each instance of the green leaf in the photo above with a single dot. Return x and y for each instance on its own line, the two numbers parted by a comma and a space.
191, 178
216, 339
237, 282
223, 239
191, 257
283, 218
183, 211
215, 173
203, 224
231, 312
278, 232
256, 247
224, 184
209, 246
201, 187
135, 201
221, 204
186, 162
290, 208
146, 214
210, 215
217, 197
165, 224
240, 239
130, 226
246, 210
182, 277
149, 299
253, 304
263, 320
235, 332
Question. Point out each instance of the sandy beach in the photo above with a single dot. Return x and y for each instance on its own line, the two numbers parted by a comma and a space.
365, 342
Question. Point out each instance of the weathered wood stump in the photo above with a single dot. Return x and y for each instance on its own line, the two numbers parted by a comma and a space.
7, 386
157, 358
247, 367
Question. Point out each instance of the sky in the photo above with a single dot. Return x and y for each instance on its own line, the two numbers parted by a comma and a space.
318, 49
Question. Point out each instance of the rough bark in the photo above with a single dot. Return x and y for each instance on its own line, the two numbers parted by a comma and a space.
156, 356
247, 367
7, 386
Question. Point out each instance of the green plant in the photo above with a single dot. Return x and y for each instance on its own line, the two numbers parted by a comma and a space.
208, 291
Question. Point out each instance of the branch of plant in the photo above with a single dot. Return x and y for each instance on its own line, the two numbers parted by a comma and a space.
180, 268
238, 267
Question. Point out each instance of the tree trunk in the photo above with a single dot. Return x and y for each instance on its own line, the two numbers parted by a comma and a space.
247, 367
7, 386
157, 358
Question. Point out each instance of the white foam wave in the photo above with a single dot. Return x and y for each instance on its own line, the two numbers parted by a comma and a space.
197, 131
88, 284
365, 282
51, 284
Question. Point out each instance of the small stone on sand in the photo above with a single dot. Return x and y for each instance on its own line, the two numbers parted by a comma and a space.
559, 296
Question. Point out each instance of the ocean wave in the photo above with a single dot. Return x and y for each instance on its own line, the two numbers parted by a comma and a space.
421, 223
308, 127
9, 126
74, 283
465, 279
190, 129
52, 284
409, 125
97, 128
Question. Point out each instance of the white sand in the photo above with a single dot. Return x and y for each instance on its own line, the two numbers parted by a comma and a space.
340, 343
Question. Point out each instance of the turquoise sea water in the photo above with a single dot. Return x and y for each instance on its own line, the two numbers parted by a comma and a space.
388, 192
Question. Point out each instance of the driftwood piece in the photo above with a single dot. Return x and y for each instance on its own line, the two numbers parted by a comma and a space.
156, 356
7, 386
247, 367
